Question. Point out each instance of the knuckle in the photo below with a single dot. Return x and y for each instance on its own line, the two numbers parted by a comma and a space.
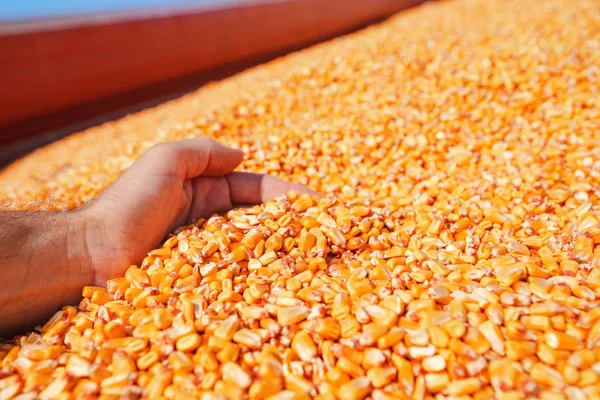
162, 151
205, 142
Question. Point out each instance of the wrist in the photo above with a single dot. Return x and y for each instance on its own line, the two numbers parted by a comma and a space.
79, 230
98, 245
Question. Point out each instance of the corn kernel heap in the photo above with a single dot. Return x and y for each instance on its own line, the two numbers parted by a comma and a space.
456, 254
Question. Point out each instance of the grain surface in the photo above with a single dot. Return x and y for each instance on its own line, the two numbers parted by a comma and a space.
456, 253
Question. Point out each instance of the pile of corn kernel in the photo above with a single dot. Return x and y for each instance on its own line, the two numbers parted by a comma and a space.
455, 256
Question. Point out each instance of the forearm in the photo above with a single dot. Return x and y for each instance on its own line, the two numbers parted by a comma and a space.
43, 266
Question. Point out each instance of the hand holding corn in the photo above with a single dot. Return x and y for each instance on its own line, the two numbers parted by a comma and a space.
457, 256
172, 184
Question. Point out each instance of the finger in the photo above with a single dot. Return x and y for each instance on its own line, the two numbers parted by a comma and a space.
210, 195
248, 188
190, 158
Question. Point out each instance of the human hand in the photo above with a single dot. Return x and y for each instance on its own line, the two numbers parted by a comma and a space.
170, 185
